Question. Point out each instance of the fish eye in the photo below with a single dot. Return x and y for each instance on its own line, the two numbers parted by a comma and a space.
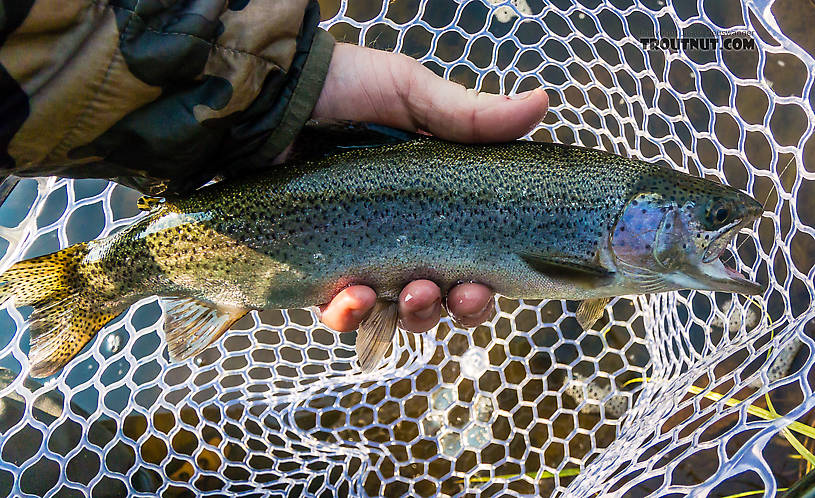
718, 214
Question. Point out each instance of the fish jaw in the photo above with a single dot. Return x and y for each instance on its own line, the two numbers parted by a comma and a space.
711, 274
752, 211
715, 276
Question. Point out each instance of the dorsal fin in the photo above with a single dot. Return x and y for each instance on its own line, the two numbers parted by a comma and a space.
324, 137
148, 202
192, 325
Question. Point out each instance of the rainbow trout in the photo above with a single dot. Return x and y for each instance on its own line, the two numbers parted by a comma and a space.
529, 220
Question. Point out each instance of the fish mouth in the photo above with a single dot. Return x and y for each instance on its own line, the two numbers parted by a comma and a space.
716, 276
717, 246
712, 274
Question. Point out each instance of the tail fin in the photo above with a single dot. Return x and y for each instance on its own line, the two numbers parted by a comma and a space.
64, 318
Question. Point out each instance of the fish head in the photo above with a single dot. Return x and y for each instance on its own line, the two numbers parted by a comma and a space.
671, 239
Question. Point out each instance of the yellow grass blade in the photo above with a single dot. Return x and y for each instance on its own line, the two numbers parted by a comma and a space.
750, 493
751, 409
544, 475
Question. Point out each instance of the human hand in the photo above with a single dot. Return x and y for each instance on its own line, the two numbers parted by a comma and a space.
395, 90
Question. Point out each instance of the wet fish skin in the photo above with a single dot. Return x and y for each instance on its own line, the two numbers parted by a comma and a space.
530, 220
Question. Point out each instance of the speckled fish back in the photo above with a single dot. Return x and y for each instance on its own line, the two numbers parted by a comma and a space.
426, 208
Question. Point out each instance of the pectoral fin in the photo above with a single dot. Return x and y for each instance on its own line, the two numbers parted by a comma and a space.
375, 334
192, 325
586, 274
590, 310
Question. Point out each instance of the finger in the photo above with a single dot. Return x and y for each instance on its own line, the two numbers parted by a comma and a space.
419, 306
345, 312
471, 304
395, 90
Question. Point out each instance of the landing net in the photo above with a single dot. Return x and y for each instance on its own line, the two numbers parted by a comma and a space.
666, 395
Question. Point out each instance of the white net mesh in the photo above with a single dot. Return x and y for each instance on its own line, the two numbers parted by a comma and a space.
527, 404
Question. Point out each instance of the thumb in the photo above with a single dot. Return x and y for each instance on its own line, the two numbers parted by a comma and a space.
395, 90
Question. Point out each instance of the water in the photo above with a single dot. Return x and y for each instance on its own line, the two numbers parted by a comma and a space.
528, 391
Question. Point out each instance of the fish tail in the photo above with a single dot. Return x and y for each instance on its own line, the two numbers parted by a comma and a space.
65, 317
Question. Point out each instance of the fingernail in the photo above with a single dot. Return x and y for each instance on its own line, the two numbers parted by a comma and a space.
521, 96
428, 312
489, 306
425, 313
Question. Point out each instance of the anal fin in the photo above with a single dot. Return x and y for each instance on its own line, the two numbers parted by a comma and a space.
375, 334
590, 310
192, 325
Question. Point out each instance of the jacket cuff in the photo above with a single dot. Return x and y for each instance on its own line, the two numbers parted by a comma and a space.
303, 98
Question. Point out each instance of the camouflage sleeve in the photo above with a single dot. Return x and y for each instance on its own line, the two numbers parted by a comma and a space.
157, 94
